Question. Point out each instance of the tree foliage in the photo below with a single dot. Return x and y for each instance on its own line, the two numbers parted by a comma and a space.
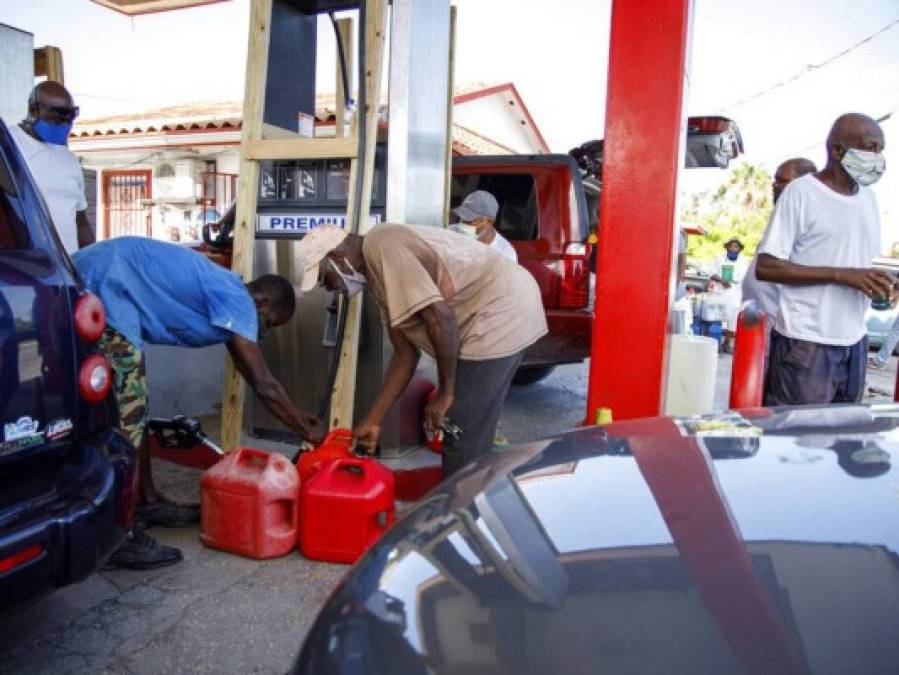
739, 207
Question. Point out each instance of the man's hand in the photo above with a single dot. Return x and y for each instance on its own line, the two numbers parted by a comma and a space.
873, 283
436, 410
717, 279
315, 427
366, 436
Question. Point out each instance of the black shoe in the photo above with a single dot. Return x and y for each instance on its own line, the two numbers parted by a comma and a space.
142, 552
166, 513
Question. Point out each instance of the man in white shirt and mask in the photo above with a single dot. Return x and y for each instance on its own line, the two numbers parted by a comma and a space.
477, 215
42, 137
820, 244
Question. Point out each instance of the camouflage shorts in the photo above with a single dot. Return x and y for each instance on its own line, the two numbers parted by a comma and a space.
129, 383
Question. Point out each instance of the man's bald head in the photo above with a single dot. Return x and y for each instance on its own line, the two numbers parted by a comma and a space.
50, 93
789, 171
51, 102
854, 130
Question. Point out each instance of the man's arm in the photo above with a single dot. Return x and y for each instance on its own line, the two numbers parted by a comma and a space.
443, 332
86, 234
871, 282
399, 371
251, 365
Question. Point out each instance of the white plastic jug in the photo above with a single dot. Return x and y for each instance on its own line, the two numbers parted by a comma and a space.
692, 369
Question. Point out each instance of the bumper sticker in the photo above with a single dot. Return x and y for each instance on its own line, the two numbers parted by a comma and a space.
21, 428
59, 428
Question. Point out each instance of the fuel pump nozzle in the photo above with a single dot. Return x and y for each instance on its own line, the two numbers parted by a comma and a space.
181, 432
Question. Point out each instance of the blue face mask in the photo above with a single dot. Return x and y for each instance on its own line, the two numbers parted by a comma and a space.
733, 255
57, 134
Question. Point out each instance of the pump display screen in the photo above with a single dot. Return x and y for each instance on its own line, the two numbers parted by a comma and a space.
288, 180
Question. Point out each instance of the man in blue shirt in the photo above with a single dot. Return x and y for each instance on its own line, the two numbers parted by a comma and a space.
163, 294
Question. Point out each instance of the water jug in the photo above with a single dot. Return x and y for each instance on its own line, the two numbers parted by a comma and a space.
346, 506
337, 445
249, 505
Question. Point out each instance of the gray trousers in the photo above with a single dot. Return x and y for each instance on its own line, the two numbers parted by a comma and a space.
481, 389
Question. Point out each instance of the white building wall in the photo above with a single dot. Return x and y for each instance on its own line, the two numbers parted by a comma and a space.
16, 72
489, 117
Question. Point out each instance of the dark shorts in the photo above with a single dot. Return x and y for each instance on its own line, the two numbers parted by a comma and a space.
801, 372
481, 389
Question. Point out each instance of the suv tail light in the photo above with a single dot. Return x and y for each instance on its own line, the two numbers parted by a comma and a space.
708, 125
94, 378
20, 558
574, 289
90, 317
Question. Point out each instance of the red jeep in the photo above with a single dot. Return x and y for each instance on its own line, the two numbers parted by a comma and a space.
548, 209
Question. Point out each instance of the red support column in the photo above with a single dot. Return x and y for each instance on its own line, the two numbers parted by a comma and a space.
635, 277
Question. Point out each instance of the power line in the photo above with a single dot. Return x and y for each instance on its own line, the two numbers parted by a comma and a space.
811, 67
818, 144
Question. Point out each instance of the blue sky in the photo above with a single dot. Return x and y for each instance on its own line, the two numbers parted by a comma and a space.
555, 53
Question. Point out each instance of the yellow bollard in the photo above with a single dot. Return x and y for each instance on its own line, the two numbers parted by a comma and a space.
603, 416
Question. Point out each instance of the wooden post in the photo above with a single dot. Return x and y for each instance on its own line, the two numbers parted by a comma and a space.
345, 383
48, 63
450, 84
247, 193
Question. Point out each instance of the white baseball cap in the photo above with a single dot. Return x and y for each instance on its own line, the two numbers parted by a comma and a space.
313, 248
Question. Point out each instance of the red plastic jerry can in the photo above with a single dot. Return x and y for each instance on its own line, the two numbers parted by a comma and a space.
337, 445
250, 503
346, 506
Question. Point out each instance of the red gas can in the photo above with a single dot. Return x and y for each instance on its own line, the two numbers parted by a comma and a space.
337, 445
250, 502
346, 506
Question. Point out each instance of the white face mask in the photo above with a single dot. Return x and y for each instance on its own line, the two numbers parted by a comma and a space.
354, 282
467, 230
864, 166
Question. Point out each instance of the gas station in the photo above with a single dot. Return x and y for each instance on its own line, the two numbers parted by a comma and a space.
479, 565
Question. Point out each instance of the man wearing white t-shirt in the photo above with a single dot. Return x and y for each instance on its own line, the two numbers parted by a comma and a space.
477, 215
764, 293
41, 138
820, 244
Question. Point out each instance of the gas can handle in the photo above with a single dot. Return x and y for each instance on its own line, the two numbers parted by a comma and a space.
344, 463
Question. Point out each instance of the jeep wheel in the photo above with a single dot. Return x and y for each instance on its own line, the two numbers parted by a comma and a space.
531, 374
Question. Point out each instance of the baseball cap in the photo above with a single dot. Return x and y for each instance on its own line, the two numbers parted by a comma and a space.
313, 248
479, 204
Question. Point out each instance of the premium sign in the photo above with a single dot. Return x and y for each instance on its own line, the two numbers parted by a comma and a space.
299, 223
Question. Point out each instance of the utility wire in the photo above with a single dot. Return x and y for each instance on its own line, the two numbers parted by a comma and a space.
811, 67
818, 144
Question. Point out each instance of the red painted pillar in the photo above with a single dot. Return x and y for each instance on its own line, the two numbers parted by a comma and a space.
635, 263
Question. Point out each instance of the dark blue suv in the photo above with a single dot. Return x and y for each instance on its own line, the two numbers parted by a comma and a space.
67, 476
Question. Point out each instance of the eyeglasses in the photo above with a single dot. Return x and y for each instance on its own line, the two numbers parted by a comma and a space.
63, 112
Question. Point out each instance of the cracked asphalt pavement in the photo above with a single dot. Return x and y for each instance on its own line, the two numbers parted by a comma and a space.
219, 613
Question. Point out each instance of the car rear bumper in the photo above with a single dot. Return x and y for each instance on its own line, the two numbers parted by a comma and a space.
568, 339
64, 526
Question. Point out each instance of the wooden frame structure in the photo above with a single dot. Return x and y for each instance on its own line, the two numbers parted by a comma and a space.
258, 144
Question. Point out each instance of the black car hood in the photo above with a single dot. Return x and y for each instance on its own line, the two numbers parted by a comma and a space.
700, 546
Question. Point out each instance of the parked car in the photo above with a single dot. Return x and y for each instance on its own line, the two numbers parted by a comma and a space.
716, 545
548, 210
66, 475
